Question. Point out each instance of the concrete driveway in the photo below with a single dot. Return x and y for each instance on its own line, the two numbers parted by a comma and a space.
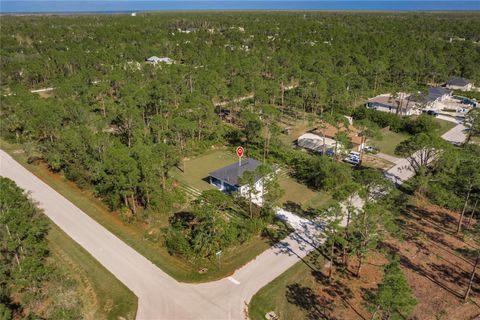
456, 135
159, 295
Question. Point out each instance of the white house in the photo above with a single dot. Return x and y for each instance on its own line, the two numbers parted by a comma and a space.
315, 143
435, 96
227, 179
388, 103
460, 84
155, 60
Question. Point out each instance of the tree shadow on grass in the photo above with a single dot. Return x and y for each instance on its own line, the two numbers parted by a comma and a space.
467, 252
419, 231
304, 297
336, 289
438, 219
428, 274
297, 209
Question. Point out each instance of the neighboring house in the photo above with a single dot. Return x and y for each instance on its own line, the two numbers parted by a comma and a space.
314, 143
388, 103
227, 179
460, 84
330, 131
436, 95
155, 60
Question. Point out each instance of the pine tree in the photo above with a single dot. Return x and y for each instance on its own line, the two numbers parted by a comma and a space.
394, 299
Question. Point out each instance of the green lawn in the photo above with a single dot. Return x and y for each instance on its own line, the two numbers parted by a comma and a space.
136, 234
444, 125
198, 168
274, 296
389, 142
103, 295
302, 195
391, 139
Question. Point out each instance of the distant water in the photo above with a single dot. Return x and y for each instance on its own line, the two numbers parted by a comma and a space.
73, 6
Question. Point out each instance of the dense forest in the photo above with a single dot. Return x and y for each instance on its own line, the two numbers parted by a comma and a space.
118, 124
31, 285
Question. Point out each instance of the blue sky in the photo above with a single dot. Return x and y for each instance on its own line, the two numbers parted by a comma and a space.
38, 6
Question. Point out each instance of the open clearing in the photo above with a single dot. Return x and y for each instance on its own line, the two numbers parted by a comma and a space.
297, 194
444, 126
389, 142
197, 169
436, 263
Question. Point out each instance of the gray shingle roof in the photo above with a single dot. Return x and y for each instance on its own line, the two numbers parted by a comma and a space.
436, 92
461, 82
233, 172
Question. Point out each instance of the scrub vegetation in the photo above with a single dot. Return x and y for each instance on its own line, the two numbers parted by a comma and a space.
45, 274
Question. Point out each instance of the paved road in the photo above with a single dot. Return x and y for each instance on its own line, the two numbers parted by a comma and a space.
160, 296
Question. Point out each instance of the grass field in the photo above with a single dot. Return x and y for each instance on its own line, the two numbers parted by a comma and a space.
391, 139
298, 128
389, 142
444, 125
197, 169
136, 234
275, 296
103, 295
302, 195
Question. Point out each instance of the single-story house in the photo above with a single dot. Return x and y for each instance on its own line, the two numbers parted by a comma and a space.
227, 179
389, 103
315, 143
155, 60
437, 94
460, 84
330, 131
433, 100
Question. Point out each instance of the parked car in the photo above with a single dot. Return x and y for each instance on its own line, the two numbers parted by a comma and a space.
370, 149
432, 113
353, 158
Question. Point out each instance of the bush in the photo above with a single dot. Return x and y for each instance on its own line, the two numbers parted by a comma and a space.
411, 125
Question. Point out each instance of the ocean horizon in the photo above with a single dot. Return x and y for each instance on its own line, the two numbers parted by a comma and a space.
111, 7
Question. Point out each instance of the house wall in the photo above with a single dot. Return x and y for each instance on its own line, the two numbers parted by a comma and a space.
257, 196
468, 87
388, 109
222, 185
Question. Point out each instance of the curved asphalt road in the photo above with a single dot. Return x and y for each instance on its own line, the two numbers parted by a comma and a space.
159, 295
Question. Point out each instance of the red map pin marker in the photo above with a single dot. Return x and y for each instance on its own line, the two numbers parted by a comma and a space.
240, 152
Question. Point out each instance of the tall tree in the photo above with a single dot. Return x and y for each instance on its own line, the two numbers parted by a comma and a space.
394, 299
